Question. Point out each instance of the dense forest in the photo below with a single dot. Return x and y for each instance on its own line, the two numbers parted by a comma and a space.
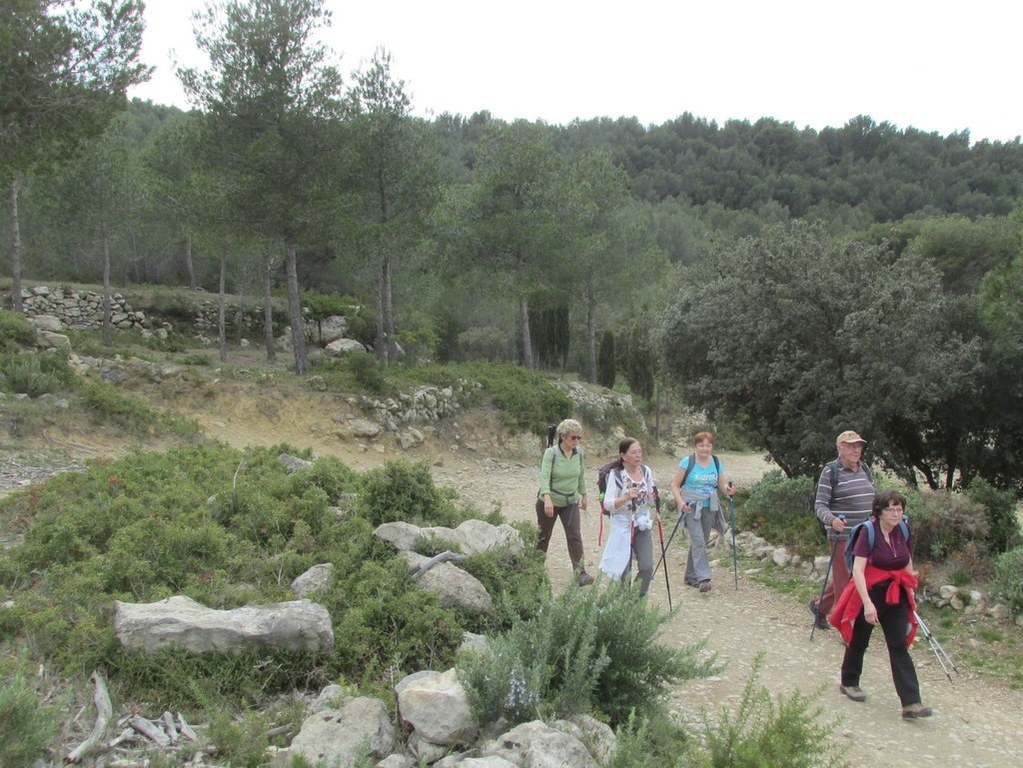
788, 280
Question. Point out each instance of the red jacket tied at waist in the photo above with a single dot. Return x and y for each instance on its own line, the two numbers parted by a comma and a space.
849, 605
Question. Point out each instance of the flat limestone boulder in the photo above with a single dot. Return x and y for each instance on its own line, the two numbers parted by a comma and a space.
180, 622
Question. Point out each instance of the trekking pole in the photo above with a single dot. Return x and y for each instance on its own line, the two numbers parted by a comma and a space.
827, 573
735, 554
660, 531
939, 652
670, 539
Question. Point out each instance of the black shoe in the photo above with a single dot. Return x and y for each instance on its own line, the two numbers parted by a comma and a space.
819, 621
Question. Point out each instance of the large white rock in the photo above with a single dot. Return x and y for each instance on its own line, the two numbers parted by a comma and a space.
180, 622
341, 736
539, 746
436, 706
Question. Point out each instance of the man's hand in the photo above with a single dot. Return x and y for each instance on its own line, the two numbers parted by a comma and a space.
838, 524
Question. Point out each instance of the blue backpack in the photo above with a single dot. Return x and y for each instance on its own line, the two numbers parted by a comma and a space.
868, 527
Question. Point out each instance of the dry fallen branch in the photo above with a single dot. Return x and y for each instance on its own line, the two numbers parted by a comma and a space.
168, 727
437, 560
150, 730
104, 711
186, 730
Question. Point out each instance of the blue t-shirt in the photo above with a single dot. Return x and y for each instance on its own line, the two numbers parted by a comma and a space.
703, 480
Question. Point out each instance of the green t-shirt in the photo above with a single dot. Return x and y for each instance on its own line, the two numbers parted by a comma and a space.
563, 479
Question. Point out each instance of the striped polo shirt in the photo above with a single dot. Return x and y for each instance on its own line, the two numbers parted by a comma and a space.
853, 496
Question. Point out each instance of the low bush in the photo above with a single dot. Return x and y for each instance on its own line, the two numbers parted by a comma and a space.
776, 509
228, 528
487, 344
26, 725
791, 732
1007, 584
15, 331
586, 650
1003, 522
403, 491
946, 524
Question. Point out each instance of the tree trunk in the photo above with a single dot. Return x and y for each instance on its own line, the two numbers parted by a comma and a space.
591, 333
222, 308
527, 345
295, 310
18, 304
189, 269
388, 302
380, 341
268, 313
108, 335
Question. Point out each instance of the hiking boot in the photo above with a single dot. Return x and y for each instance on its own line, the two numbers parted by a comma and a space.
913, 711
692, 583
820, 621
585, 579
705, 585
856, 693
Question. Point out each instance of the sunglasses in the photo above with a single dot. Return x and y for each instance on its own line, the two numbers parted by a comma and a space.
574, 437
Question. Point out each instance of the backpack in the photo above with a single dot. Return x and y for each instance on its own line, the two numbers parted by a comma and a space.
833, 469
868, 526
602, 474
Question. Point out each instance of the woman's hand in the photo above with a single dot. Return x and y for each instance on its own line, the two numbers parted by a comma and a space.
548, 506
870, 612
582, 502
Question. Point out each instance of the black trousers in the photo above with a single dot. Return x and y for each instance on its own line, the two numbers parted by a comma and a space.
894, 620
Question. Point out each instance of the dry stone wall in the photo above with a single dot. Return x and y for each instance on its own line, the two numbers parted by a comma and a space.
80, 310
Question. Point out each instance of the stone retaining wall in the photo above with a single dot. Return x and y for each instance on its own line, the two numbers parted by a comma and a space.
80, 310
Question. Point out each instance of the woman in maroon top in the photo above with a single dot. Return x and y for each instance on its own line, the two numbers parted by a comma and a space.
882, 591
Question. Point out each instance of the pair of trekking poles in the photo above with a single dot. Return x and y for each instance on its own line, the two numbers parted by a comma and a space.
664, 547
944, 660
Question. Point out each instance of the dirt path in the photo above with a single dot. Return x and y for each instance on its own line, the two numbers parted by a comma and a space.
978, 722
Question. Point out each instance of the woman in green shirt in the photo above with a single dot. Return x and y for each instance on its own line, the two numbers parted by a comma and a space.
562, 493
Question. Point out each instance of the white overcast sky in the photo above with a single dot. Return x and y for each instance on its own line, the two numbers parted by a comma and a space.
935, 65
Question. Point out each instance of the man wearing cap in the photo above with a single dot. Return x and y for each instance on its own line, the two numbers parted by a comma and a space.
851, 495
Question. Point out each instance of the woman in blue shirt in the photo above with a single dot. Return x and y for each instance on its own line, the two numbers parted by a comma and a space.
696, 492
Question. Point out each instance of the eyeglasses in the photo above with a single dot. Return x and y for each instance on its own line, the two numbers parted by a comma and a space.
574, 437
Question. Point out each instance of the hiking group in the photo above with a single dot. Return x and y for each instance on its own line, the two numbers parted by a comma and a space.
872, 579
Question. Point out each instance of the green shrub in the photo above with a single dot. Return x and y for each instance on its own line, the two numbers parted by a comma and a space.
1003, 522
583, 650
402, 491
487, 344
369, 372
776, 509
1007, 584
527, 399
15, 331
791, 732
36, 375
946, 524
26, 726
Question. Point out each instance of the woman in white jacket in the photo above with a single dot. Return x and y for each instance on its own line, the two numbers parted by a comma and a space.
631, 490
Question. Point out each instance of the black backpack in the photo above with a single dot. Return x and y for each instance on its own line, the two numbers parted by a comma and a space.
602, 474
833, 469
868, 526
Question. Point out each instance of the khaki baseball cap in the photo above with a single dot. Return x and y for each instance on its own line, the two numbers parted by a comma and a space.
849, 437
